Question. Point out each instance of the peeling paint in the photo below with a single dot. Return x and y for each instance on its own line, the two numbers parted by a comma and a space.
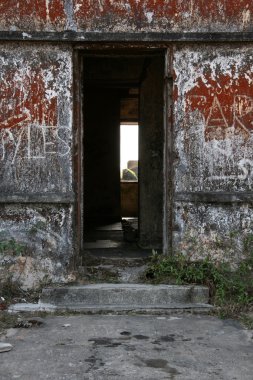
215, 131
246, 17
69, 11
213, 112
26, 35
212, 125
126, 15
36, 119
35, 158
32, 15
163, 15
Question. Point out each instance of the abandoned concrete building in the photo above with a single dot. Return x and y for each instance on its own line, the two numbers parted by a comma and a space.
75, 74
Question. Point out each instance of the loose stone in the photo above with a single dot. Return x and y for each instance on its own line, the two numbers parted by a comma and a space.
5, 347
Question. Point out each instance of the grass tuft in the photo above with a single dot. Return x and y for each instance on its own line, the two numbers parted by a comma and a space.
231, 290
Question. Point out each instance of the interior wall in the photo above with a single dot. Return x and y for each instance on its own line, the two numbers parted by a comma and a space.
151, 154
101, 154
106, 80
129, 199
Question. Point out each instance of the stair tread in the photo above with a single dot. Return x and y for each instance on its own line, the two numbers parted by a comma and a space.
125, 296
126, 285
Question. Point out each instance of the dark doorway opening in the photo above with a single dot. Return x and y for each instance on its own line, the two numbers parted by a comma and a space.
123, 206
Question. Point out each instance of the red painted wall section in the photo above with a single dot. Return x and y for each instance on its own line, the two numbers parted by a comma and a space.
35, 118
35, 158
213, 111
32, 15
164, 15
213, 149
226, 102
24, 100
126, 15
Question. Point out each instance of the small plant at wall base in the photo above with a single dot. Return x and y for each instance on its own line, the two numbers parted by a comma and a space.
248, 243
11, 290
11, 247
230, 290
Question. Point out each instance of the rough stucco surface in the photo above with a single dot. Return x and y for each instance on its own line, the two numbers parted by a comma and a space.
213, 118
35, 160
45, 234
35, 119
32, 15
163, 15
126, 15
221, 232
213, 131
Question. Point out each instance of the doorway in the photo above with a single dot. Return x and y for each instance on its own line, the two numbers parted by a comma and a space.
123, 199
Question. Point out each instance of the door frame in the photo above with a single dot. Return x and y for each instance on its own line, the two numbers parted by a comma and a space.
106, 49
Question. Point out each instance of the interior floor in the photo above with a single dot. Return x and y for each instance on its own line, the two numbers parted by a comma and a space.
119, 239
112, 235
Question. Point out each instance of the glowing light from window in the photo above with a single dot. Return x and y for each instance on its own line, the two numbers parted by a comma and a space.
129, 150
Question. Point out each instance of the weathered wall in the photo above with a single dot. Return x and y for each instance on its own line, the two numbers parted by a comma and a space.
163, 15
221, 231
35, 119
126, 15
32, 15
213, 134
129, 198
213, 130
37, 241
36, 156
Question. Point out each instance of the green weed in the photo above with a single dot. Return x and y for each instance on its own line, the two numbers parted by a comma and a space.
37, 227
12, 247
10, 289
7, 321
226, 286
248, 243
247, 321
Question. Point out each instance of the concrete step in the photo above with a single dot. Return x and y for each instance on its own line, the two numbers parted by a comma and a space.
126, 297
111, 274
112, 269
131, 271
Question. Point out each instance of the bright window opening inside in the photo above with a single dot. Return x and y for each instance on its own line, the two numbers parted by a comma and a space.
129, 151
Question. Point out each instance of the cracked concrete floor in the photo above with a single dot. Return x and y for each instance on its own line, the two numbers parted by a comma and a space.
100, 347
